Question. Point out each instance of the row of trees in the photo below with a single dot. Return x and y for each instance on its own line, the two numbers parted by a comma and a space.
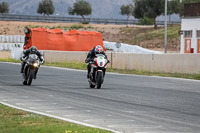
79, 8
4, 7
143, 9
46, 7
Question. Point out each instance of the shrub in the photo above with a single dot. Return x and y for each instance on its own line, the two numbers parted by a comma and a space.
145, 21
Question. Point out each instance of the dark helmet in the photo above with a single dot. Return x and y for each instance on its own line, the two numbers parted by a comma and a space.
33, 50
98, 49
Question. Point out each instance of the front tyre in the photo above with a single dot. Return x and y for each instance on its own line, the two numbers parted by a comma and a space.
99, 79
30, 77
91, 85
24, 79
24, 82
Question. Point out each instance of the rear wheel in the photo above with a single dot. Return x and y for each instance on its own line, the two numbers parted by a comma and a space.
99, 79
30, 77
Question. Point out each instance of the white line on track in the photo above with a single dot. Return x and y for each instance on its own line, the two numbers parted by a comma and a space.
49, 111
20, 103
61, 118
68, 115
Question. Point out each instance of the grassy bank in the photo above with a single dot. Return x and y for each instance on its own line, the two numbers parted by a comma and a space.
83, 66
152, 38
18, 121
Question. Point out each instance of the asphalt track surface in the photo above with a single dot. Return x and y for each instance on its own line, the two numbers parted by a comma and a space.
125, 103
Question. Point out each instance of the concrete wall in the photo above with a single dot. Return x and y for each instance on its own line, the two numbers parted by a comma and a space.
172, 63
180, 63
5, 54
64, 56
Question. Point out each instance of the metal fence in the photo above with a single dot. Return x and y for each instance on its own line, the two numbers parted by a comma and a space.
11, 17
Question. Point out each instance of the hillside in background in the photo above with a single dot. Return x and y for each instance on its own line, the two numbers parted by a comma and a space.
101, 8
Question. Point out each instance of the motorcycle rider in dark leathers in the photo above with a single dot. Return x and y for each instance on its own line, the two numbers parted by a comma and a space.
92, 53
24, 57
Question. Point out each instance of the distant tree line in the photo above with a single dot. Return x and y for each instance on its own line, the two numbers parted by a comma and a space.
145, 10
4, 7
148, 10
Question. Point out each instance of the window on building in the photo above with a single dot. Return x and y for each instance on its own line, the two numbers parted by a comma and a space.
198, 33
187, 34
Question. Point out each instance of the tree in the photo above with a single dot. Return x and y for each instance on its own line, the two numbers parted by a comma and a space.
148, 8
81, 8
172, 8
4, 7
127, 10
46, 7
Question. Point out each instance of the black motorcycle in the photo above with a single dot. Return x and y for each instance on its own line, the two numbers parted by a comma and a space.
30, 69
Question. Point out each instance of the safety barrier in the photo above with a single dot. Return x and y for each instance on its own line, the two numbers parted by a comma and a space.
169, 63
11, 39
32, 18
9, 46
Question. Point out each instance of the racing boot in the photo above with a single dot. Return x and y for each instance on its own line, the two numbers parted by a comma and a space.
22, 67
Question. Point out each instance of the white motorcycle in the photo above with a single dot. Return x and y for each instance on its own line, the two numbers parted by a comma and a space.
98, 69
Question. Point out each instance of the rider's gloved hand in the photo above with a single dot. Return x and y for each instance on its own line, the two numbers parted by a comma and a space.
87, 60
22, 58
41, 62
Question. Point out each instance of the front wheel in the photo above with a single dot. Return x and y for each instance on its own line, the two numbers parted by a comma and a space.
24, 82
24, 79
30, 77
99, 79
91, 85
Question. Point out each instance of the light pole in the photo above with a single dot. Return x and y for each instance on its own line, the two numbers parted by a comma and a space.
91, 12
165, 26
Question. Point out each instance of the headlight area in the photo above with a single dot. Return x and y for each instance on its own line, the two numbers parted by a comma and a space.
35, 64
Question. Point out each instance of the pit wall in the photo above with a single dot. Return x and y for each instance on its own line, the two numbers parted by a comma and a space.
172, 63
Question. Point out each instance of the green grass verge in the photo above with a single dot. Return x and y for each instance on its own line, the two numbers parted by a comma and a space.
18, 121
176, 75
83, 66
10, 60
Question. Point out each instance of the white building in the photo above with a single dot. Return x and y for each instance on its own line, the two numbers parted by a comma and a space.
190, 29
190, 39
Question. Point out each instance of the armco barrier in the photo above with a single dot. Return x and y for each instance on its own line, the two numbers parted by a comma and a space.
38, 18
172, 63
